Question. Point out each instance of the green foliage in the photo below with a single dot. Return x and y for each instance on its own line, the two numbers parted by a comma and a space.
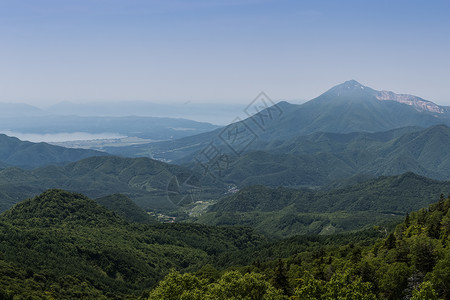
425, 292
409, 262
342, 285
178, 286
231, 285
66, 246
330, 159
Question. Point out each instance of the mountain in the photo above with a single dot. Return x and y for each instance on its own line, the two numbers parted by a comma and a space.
149, 183
14, 152
346, 108
286, 212
352, 107
63, 245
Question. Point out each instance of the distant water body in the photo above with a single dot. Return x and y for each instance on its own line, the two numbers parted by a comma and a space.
62, 137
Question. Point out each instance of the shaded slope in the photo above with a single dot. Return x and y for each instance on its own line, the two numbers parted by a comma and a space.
15, 152
125, 207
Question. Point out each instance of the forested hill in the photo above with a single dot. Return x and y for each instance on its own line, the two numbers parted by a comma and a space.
285, 212
144, 180
410, 263
74, 248
63, 245
401, 194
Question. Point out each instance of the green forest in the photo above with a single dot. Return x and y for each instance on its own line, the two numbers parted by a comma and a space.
62, 245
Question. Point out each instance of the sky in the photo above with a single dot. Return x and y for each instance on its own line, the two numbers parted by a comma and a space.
219, 51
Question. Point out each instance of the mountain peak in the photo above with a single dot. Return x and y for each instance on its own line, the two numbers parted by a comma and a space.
350, 88
352, 84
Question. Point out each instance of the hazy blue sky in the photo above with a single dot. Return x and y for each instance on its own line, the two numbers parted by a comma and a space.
218, 50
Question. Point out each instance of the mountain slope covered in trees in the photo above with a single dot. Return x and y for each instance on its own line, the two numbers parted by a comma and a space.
125, 207
287, 212
412, 262
321, 159
64, 245
144, 180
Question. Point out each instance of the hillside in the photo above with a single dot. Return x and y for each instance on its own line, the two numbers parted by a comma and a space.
410, 262
144, 180
14, 152
402, 193
64, 245
286, 212
322, 159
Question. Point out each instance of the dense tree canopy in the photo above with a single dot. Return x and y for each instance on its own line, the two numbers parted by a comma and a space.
64, 245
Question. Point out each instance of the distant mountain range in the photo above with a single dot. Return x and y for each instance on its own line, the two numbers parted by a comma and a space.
348, 107
320, 158
152, 128
152, 121
215, 113
14, 152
